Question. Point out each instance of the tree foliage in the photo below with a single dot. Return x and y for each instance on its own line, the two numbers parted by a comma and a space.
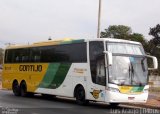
155, 32
122, 32
154, 43
117, 31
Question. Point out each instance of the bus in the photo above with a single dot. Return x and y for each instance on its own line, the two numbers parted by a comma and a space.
102, 70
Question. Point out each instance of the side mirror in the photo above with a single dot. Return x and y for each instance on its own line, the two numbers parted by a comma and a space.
155, 62
109, 57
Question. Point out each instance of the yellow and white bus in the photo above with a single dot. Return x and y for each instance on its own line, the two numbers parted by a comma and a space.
103, 70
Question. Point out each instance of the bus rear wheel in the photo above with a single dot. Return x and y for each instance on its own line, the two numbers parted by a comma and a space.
23, 89
16, 88
80, 96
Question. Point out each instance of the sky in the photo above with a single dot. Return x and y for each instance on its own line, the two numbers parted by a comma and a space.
28, 21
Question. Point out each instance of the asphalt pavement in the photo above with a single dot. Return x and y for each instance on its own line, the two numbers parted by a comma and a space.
10, 104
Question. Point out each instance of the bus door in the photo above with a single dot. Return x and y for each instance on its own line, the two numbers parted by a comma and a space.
96, 87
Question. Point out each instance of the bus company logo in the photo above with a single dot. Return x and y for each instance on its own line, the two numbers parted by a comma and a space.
79, 70
31, 68
96, 93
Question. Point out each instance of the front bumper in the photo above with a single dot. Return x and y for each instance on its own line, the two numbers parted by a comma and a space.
115, 97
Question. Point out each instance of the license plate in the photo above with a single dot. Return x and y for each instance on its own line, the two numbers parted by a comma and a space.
131, 98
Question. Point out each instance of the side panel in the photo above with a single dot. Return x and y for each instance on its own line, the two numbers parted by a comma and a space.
77, 74
53, 78
36, 75
31, 73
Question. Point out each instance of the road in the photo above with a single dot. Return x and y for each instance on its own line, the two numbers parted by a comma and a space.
11, 104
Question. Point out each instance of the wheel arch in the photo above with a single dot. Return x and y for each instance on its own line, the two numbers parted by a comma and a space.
15, 80
76, 87
23, 81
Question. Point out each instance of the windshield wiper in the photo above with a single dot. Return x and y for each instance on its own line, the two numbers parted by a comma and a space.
142, 63
131, 72
132, 69
140, 84
132, 76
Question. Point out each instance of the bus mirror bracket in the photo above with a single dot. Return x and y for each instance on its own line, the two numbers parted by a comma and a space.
155, 62
109, 57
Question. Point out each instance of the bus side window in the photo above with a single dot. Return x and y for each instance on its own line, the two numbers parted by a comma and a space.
35, 54
9, 56
17, 58
37, 58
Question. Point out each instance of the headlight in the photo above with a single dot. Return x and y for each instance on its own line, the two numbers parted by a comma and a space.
113, 89
145, 90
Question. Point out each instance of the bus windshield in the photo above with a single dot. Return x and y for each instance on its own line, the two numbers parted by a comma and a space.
129, 64
124, 48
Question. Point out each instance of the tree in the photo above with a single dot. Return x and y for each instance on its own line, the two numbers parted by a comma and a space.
155, 32
154, 43
117, 31
123, 32
1, 55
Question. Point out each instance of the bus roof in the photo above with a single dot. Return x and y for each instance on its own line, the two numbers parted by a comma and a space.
114, 40
69, 41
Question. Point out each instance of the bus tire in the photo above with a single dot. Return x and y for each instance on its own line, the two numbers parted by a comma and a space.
16, 88
23, 89
80, 96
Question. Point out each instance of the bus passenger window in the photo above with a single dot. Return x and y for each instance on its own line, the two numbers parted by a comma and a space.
37, 58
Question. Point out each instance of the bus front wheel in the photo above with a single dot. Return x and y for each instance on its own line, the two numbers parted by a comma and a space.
80, 96
16, 88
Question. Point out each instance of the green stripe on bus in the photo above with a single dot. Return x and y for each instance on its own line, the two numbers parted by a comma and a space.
137, 89
55, 75
50, 75
72, 41
78, 41
60, 75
